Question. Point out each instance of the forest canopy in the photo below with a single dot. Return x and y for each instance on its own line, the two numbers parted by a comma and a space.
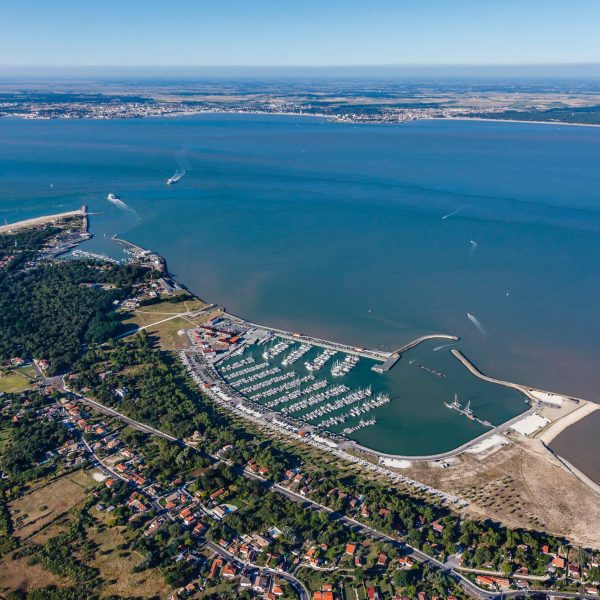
49, 313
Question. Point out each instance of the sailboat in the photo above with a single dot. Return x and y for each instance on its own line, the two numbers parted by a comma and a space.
468, 411
454, 405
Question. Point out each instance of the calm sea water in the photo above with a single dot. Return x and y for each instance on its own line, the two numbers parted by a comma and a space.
338, 230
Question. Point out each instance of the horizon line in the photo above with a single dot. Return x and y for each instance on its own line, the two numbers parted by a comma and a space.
414, 71
301, 65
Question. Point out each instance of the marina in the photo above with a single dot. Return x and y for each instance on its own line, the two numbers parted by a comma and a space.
320, 386
266, 369
77, 253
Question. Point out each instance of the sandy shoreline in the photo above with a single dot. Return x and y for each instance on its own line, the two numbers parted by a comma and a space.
39, 221
511, 121
557, 427
578, 473
329, 117
338, 119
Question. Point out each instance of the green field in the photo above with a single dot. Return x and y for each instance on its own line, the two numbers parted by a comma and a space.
16, 380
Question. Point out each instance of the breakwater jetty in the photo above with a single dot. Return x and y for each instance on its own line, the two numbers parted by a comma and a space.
388, 359
535, 395
394, 357
475, 371
143, 256
314, 341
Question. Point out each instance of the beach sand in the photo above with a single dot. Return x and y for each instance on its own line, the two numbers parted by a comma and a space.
548, 434
11, 227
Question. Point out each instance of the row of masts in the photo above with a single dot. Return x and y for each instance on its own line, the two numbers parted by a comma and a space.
458, 407
466, 410
265, 381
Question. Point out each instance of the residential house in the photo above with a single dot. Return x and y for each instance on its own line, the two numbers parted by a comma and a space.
437, 527
229, 571
215, 567
261, 583
373, 593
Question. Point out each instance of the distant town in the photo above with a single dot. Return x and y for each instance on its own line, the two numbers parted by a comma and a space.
345, 100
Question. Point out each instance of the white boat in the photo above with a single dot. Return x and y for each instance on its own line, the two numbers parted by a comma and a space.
467, 411
179, 173
455, 405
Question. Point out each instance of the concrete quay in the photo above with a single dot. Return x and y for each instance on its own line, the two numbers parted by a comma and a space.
389, 359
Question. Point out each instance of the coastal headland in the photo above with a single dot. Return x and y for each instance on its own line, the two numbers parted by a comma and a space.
37, 221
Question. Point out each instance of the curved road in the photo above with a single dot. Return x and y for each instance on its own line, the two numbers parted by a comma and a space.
348, 522
244, 565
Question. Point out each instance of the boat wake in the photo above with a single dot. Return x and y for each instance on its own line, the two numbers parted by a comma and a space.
120, 204
179, 173
477, 324
441, 347
454, 212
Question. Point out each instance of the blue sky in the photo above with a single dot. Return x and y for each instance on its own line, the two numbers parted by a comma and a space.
292, 32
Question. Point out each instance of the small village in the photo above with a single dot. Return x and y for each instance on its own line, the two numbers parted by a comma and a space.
249, 560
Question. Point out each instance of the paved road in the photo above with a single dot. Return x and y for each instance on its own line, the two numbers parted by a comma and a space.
348, 522
242, 565
245, 566
135, 424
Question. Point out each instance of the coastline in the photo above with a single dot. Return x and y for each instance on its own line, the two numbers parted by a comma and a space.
348, 444
573, 469
523, 121
561, 424
557, 427
388, 357
329, 117
42, 220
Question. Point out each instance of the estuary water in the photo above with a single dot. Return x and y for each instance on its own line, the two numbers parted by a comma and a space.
367, 234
